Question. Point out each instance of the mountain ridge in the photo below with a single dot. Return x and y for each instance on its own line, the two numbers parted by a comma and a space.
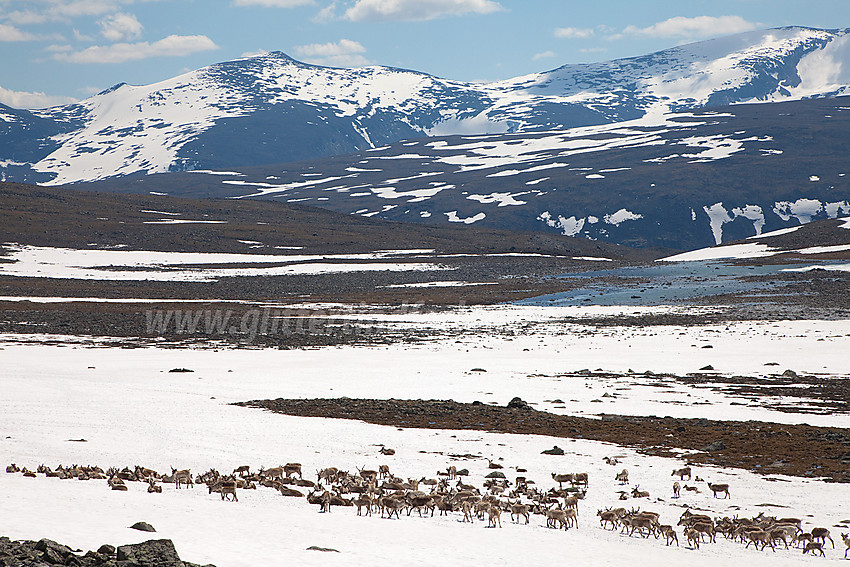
274, 109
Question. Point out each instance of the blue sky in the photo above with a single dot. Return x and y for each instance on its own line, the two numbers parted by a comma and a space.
57, 51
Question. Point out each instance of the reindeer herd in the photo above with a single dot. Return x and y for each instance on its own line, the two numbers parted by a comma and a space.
378, 491
760, 531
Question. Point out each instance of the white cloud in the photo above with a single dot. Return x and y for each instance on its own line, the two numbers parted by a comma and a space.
698, 27
55, 10
171, 46
326, 14
26, 17
593, 50
544, 55
79, 36
42, 11
63, 48
344, 53
120, 26
23, 99
417, 10
11, 33
273, 3
574, 33
258, 53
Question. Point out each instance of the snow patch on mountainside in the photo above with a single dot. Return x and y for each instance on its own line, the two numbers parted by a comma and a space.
132, 129
803, 210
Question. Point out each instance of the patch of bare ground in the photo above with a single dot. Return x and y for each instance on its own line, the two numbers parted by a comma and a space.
761, 447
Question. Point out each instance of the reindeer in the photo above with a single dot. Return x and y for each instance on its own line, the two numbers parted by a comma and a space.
494, 514
757, 536
561, 479
383, 471
814, 546
452, 472
274, 473
682, 473
329, 474
363, 502
822, 534
391, 505
153, 487
579, 479
608, 516
523, 511
622, 477
676, 489
291, 469
387, 451
637, 493
143, 473
802, 538
367, 475
184, 476
719, 489
692, 537
571, 517
669, 534
244, 470
481, 508
116, 483
846, 539
227, 488
418, 501
639, 522
556, 518
286, 491
468, 513
13, 468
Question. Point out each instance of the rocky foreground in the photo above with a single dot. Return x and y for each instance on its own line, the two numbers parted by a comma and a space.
151, 553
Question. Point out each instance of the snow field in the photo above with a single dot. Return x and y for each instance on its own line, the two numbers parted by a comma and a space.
132, 411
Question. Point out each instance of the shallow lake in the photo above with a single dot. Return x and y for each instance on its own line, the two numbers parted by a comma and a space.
662, 283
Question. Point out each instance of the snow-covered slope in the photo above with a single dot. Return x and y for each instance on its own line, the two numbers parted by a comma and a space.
273, 109
681, 180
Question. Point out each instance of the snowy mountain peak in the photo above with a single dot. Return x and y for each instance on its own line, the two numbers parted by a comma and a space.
271, 108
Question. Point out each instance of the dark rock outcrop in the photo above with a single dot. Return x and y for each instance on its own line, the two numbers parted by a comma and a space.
46, 552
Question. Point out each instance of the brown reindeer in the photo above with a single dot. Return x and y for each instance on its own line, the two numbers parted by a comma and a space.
561, 479
822, 534
637, 493
682, 473
494, 514
522, 510
719, 489
227, 488
669, 534
291, 469
692, 537
183, 476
